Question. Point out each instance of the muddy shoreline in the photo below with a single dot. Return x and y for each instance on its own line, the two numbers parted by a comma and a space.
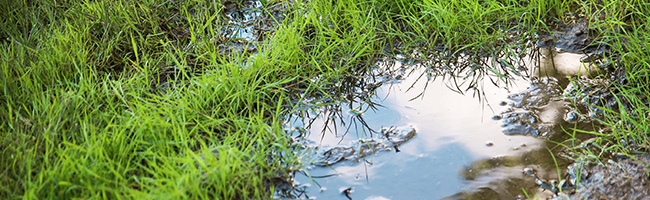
611, 177
625, 178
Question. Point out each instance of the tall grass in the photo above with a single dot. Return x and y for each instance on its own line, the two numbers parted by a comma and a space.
104, 100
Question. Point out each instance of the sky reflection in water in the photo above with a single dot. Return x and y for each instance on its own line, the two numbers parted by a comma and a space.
452, 132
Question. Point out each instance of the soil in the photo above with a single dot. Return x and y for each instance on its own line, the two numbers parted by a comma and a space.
617, 178
623, 179
387, 139
522, 118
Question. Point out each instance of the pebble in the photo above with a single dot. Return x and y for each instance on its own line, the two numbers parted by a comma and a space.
529, 171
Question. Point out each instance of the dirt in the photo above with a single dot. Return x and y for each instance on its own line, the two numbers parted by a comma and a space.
619, 177
572, 37
522, 118
623, 179
387, 139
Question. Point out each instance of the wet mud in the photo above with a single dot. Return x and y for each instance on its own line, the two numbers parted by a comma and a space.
576, 36
587, 96
388, 139
523, 116
592, 97
623, 179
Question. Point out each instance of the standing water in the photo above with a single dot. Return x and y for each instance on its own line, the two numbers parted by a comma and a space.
453, 145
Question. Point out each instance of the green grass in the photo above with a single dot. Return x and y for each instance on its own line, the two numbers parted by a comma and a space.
625, 30
100, 101
147, 99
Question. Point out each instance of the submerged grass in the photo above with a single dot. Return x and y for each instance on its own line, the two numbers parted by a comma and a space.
149, 99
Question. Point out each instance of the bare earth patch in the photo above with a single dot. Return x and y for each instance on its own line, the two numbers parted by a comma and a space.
624, 179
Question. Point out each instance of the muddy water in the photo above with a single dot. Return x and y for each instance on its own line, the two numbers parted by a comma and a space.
463, 147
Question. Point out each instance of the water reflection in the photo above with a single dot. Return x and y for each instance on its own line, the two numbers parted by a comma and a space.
453, 131
555, 63
430, 175
459, 152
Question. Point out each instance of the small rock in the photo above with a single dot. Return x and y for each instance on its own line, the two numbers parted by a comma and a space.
571, 117
529, 171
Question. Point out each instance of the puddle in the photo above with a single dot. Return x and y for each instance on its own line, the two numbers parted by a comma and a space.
463, 147
453, 131
419, 139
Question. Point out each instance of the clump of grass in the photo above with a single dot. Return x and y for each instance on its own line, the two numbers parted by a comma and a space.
623, 28
83, 119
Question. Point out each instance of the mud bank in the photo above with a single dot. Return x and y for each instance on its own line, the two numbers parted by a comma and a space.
623, 179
